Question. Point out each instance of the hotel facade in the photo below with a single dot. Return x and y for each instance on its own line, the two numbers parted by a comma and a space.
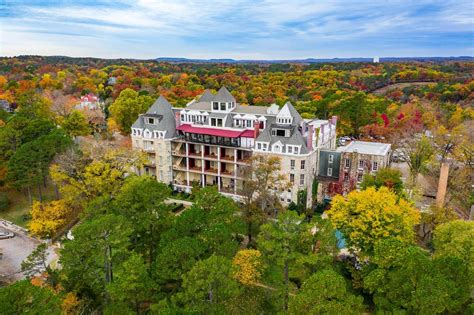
211, 140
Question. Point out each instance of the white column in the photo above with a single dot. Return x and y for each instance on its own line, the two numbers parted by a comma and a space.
187, 164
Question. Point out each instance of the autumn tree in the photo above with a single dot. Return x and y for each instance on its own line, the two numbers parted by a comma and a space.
262, 174
365, 217
418, 152
49, 218
249, 266
127, 107
326, 292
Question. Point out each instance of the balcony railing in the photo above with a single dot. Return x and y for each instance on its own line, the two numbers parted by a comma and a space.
211, 170
227, 158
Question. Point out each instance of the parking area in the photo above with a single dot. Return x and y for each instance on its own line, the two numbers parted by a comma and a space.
14, 251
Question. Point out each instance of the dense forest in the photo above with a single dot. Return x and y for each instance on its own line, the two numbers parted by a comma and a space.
131, 251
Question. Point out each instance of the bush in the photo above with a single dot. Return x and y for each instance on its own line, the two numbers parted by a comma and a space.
4, 202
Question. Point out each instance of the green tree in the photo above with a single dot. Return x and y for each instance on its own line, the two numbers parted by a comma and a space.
100, 245
142, 201
36, 263
279, 241
127, 107
455, 239
406, 279
326, 292
75, 124
387, 177
208, 286
132, 285
24, 298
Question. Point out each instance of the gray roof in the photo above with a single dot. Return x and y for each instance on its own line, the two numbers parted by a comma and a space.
163, 112
256, 110
296, 138
294, 113
364, 147
199, 106
207, 96
223, 95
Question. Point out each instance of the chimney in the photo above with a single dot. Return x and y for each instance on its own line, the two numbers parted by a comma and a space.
442, 184
177, 117
256, 129
309, 138
322, 134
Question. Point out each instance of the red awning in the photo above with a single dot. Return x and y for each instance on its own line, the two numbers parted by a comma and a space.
210, 131
248, 134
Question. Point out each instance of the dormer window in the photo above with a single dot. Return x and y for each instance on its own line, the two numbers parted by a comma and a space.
151, 121
215, 105
223, 106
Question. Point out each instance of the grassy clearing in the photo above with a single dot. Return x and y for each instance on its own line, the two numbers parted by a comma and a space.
19, 207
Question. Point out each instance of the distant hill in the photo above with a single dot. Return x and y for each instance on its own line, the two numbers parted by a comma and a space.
316, 60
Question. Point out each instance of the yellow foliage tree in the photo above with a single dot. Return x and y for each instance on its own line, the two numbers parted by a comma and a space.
69, 304
248, 266
48, 218
368, 216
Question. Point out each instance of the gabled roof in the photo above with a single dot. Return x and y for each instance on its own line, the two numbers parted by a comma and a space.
207, 96
288, 108
223, 95
160, 109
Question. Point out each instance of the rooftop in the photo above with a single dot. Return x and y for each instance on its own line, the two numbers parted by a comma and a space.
364, 147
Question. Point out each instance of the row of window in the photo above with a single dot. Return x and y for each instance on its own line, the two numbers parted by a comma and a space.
292, 179
148, 134
347, 164
302, 164
222, 106
284, 121
278, 148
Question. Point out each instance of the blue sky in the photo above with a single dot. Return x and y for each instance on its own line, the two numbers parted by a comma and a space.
240, 29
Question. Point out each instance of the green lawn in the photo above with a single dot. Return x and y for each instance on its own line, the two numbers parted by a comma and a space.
19, 208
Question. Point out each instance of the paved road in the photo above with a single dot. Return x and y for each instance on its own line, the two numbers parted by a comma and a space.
15, 250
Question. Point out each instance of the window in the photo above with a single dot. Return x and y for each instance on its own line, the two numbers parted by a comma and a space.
222, 106
359, 177
213, 122
280, 132
301, 179
292, 164
259, 146
375, 166
302, 164
290, 149
249, 123
329, 171
151, 121
277, 148
219, 122
346, 177
292, 178
347, 163
215, 105
361, 163
331, 158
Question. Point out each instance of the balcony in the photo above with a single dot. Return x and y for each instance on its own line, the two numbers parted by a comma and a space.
211, 156
195, 154
211, 170
227, 173
196, 169
228, 158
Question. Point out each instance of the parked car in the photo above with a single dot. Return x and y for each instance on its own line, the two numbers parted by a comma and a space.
6, 234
